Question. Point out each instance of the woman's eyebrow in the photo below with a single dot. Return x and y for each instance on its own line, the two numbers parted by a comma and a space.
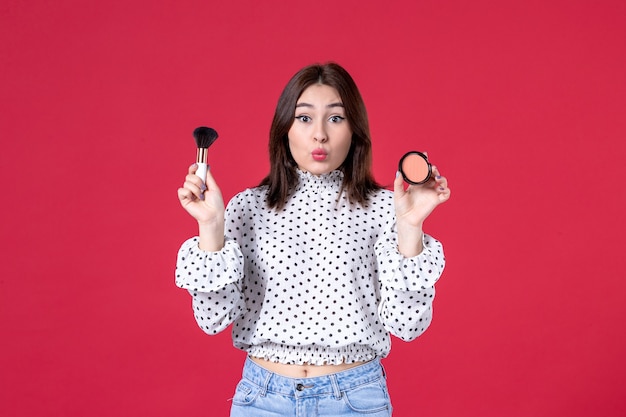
338, 104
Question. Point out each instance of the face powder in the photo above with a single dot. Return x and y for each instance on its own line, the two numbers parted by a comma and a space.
415, 168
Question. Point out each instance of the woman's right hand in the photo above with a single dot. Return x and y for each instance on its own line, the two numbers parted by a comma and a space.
203, 202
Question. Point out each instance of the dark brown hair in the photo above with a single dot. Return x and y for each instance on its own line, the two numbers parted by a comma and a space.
358, 182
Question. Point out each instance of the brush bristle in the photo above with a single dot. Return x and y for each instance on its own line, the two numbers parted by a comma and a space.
204, 136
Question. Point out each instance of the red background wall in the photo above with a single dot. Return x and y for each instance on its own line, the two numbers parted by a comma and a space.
522, 105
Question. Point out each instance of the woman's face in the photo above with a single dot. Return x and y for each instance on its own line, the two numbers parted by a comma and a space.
320, 136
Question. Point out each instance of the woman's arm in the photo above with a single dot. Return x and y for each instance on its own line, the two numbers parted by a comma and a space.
214, 281
413, 205
209, 266
410, 262
407, 286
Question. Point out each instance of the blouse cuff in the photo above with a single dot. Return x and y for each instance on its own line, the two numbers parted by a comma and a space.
203, 271
410, 274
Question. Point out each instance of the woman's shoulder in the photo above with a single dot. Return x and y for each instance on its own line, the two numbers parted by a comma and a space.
381, 196
379, 203
254, 196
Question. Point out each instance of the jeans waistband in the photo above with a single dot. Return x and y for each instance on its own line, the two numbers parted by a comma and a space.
320, 385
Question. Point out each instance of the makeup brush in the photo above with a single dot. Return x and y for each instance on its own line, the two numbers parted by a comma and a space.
204, 136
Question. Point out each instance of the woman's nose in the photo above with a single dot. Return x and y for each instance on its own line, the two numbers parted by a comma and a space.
320, 134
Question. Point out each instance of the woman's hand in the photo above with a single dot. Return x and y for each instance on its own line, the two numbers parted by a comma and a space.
205, 204
413, 205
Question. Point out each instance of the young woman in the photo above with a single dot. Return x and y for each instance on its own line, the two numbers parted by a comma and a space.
318, 265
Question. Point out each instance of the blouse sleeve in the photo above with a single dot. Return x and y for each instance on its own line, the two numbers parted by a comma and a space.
407, 285
214, 280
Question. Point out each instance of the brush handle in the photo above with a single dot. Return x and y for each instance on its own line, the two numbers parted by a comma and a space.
201, 171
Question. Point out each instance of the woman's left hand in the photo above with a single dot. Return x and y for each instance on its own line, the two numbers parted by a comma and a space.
415, 203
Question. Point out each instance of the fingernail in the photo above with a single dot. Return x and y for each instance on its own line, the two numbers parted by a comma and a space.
203, 187
201, 196
441, 188
397, 174
438, 177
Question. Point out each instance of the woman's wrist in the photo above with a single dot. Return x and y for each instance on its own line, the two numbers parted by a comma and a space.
410, 240
211, 236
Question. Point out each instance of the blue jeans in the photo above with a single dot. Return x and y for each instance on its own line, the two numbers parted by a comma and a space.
358, 391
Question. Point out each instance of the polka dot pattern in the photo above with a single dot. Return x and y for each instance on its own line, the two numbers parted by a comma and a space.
321, 282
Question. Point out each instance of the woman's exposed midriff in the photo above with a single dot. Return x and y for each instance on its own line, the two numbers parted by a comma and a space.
303, 371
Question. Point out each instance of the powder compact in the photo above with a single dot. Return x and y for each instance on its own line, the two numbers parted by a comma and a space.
415, 167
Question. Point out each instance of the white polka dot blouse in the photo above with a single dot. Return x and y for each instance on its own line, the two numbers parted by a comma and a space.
320, 282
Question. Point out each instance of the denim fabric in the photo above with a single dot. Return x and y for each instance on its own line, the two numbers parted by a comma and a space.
359, 391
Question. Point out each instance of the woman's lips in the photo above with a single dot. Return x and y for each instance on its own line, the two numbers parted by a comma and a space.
319, 154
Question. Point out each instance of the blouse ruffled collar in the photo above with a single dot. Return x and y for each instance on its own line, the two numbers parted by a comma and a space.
332, 179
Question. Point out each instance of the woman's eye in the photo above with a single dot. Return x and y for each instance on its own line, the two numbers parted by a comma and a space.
304, 118
336, 119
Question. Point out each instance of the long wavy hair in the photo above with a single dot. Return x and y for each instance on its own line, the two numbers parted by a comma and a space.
358, 181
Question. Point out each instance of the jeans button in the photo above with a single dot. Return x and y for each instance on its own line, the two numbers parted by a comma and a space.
300, 387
